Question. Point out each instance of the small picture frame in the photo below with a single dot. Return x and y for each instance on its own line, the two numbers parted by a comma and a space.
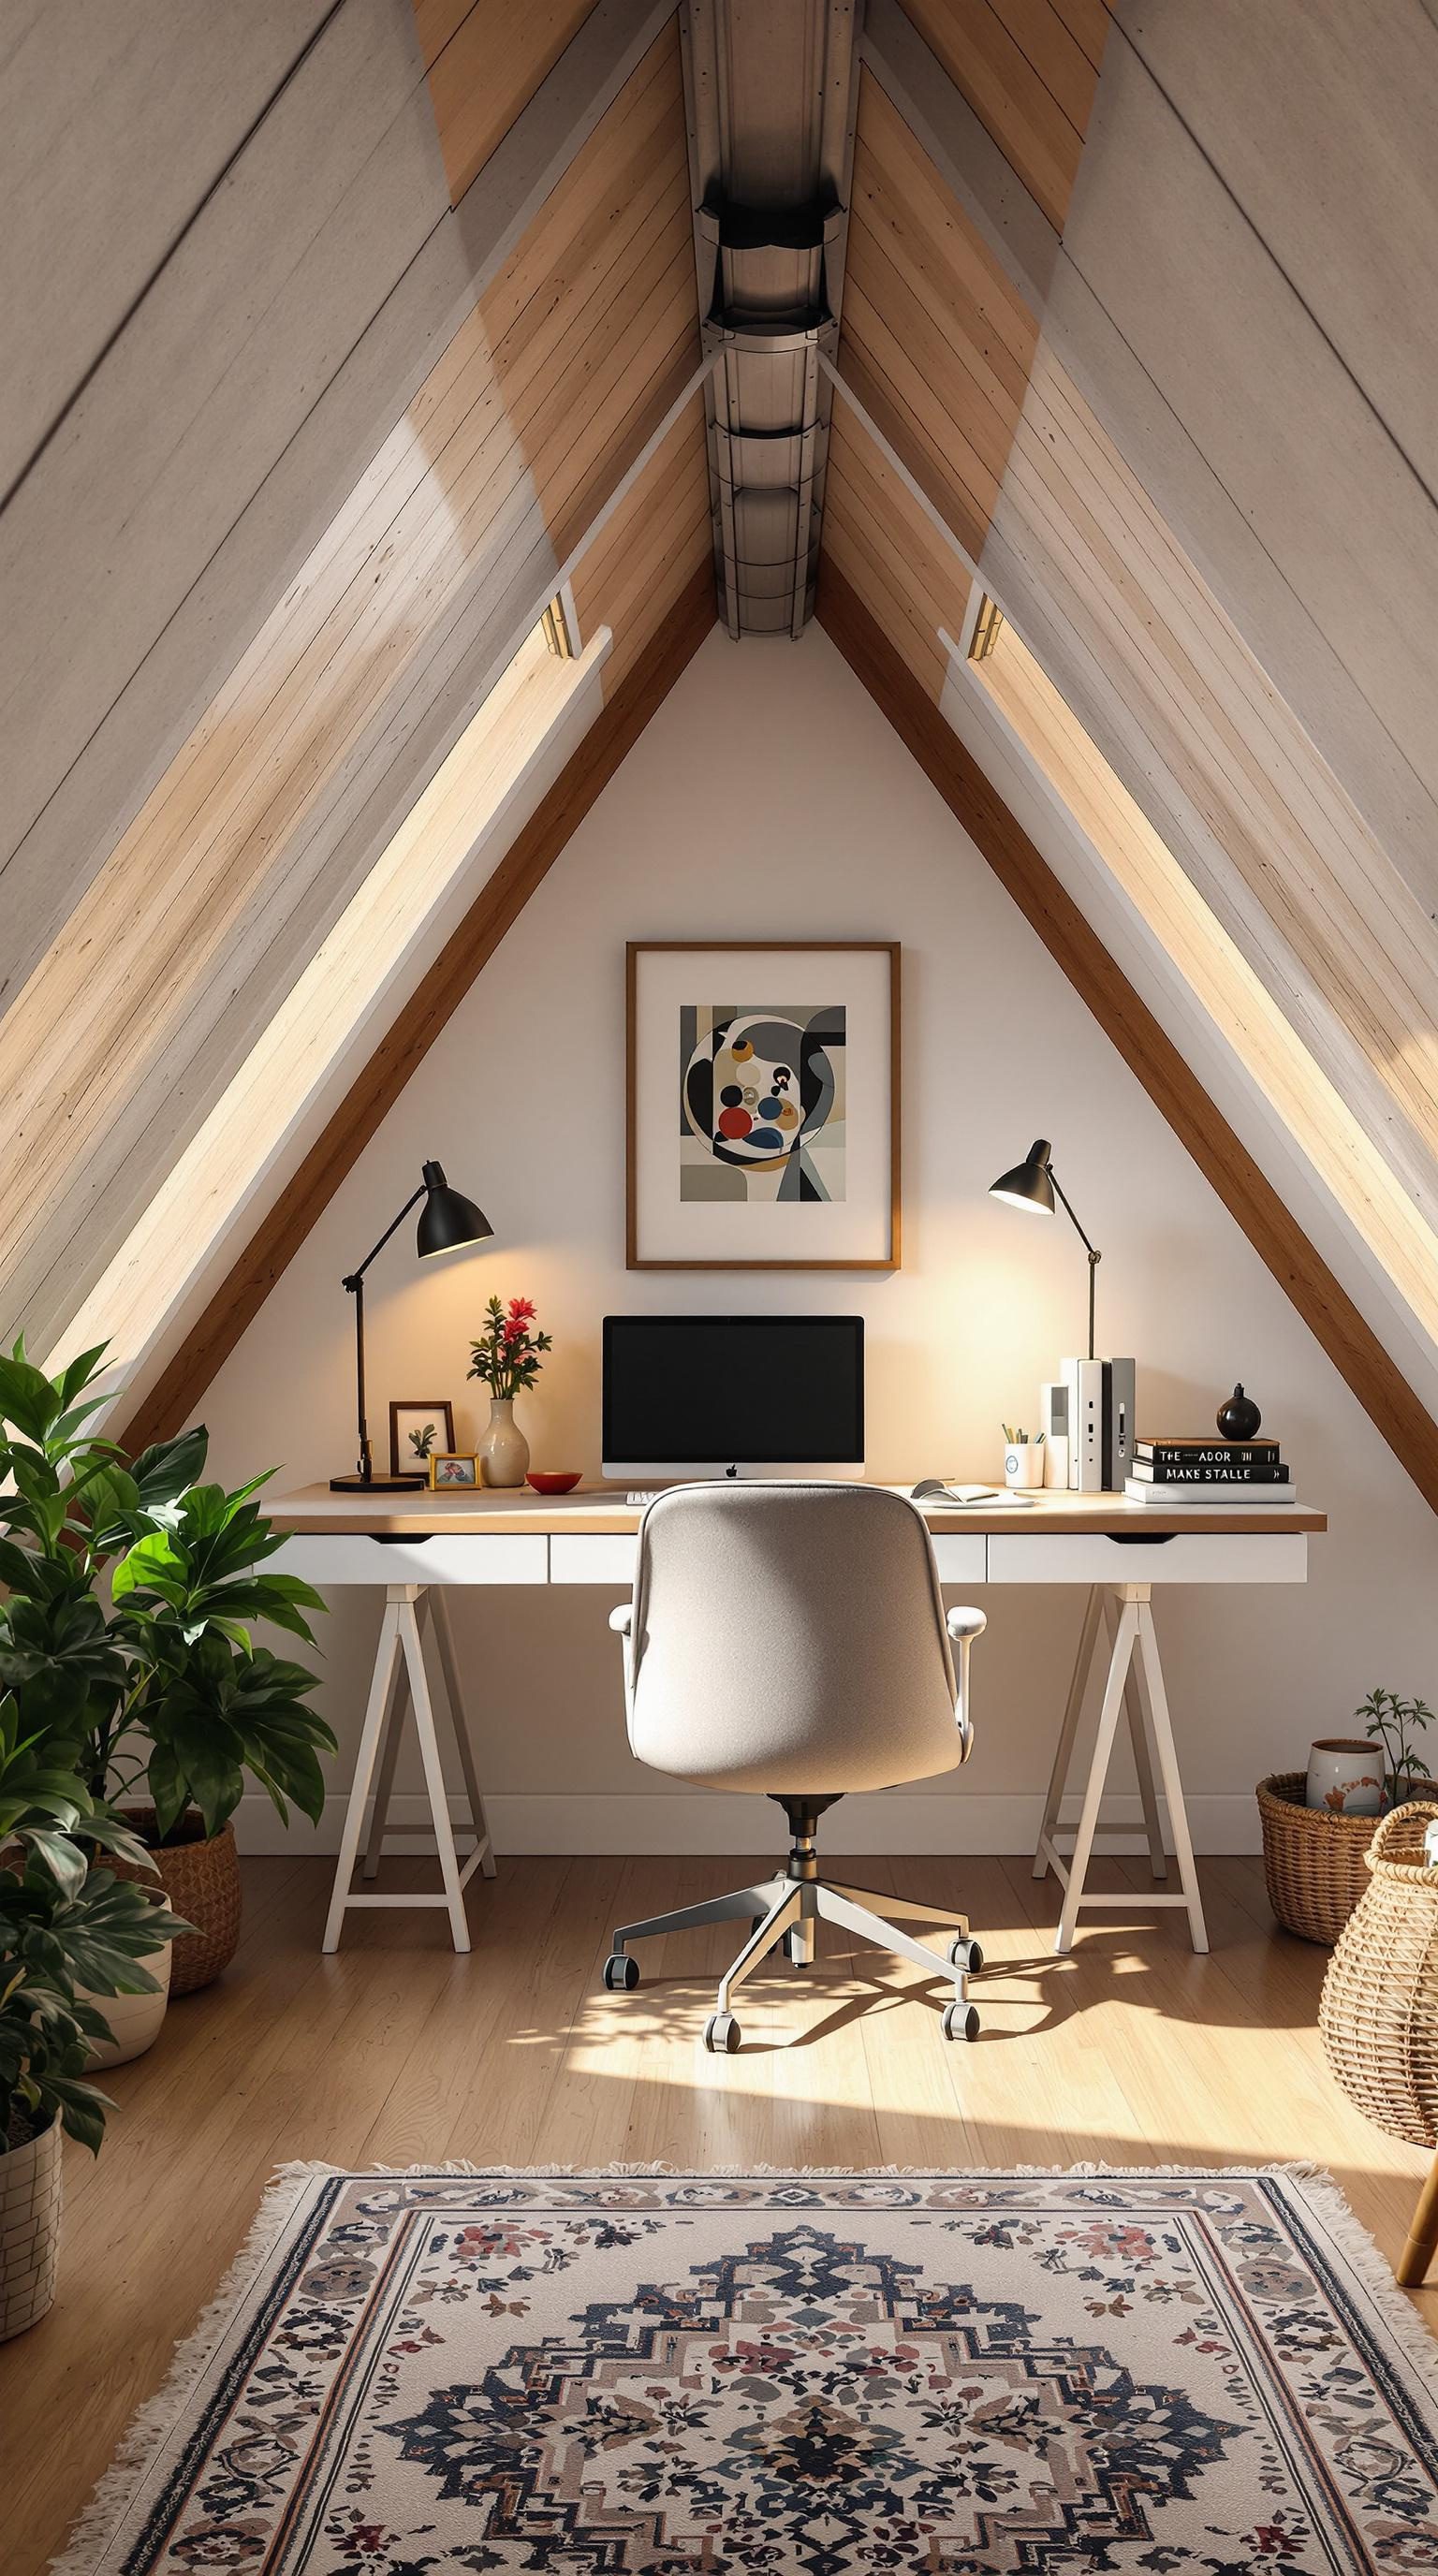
453, 1471
418, 1427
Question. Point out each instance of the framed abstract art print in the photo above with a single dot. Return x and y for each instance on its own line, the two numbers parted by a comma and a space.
763, 1106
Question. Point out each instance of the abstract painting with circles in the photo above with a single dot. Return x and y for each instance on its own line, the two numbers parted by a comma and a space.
763, 1107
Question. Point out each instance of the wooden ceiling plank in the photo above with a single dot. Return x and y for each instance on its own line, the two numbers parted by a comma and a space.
937, 452
1002, 210
488, 70
899, 194
174, 1399
1145, 1046
1024, 119
1045, 39
956, 380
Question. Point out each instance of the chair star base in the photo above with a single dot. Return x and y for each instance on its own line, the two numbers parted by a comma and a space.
783, 1910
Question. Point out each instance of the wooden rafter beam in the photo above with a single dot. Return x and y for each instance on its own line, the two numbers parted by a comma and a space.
172, 1400
1250, 1198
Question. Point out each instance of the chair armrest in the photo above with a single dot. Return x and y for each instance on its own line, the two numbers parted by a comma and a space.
963, 1626
622, 1619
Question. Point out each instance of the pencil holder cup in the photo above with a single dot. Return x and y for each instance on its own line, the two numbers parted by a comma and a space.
1023, 1465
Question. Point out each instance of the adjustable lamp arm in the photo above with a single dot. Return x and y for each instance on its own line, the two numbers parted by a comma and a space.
354, 1278
1094, 1256
354, 1282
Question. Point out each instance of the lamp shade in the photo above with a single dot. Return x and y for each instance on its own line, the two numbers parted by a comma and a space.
1029, 1185
447, 1220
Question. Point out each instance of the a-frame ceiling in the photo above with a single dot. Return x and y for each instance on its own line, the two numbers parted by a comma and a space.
387, 326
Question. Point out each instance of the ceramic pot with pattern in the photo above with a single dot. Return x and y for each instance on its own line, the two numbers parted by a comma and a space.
29, 2227
1345, 1776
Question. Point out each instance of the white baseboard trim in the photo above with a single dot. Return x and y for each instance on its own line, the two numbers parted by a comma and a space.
708, 1821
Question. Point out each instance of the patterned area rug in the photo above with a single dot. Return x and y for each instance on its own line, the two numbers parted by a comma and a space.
825, 2375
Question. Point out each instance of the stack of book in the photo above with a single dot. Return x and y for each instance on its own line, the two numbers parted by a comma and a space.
1208, 1470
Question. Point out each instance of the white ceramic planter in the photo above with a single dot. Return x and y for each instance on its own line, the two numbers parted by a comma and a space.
134, 2019
29, 2230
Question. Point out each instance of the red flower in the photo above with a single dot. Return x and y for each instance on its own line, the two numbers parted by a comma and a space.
514, 1330
522, 1308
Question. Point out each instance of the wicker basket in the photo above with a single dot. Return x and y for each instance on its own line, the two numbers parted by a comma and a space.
1315, 1863
1379, 2014
201, 1880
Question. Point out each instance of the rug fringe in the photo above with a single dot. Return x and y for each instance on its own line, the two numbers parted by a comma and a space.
148, 2429
104, 2512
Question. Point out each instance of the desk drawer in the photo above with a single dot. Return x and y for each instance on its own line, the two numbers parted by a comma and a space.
964, 1558
325, 1559
1218, 1556
599, 1557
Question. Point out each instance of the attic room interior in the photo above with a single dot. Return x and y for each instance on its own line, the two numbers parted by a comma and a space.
665, 668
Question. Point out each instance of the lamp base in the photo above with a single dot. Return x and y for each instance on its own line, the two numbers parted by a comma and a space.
377, 1484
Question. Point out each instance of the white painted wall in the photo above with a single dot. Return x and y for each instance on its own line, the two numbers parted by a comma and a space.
768, 798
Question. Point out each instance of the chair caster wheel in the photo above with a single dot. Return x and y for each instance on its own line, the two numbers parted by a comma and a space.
621, 1973
961, 2021
966, 1954
721, 2035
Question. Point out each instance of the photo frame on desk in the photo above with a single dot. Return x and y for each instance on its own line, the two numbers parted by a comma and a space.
417, 1426
763, 1105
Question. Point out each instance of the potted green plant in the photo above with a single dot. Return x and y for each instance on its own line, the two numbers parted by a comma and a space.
1395, 1724
160, 1694
72, 1933
507, 1359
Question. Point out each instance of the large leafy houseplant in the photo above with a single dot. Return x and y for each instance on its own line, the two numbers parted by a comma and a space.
72, 1935
162, 1691
70, 1930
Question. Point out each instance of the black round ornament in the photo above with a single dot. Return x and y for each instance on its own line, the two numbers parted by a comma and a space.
1239, 1417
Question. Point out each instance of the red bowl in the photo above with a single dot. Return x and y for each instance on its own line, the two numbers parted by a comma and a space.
549, 1481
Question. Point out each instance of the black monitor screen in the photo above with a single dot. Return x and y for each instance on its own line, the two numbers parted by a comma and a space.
697, 1390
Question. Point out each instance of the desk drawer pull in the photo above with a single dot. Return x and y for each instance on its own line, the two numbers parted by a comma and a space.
401, 1538
1140, 1538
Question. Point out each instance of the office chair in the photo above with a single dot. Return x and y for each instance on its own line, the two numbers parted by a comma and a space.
791, 1639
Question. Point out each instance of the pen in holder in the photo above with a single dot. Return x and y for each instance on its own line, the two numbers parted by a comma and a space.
1023, 1460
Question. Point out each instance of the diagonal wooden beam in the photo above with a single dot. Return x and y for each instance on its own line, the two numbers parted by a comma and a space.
1172, 1086
171, 1402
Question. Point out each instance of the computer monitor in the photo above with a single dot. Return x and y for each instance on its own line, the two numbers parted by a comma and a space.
720, 1395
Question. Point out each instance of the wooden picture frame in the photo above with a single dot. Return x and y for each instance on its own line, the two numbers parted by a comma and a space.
431, 1408
714, 1220
449, 1483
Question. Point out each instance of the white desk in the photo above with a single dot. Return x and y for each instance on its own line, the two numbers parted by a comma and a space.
414, 1546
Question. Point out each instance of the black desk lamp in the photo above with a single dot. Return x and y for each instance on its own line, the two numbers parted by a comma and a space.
447, 1221
1033, 1184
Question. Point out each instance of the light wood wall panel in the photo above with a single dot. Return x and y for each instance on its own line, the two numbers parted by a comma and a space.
1028, 68
937, 344
485, 63
276, 279
341, 709
1157, 674
1163, 682
652, 549
115, 117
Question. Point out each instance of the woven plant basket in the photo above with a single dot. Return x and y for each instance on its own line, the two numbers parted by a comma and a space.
1315, 1863
201, 1880
1379, 2013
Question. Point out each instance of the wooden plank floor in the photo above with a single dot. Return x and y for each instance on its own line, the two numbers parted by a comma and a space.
1132, 2051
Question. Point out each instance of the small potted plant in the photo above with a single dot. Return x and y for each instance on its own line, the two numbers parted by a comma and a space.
166, 1695
507, 1359
1315, 1859
72, 1934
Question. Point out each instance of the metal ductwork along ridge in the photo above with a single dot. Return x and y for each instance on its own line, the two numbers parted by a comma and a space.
770, 90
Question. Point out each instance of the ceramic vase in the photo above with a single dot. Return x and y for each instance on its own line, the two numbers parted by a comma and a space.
29, 2229
503, 1450
1345, 1775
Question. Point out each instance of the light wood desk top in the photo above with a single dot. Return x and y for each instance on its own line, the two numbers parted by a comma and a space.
315, 1511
